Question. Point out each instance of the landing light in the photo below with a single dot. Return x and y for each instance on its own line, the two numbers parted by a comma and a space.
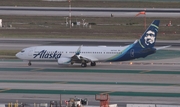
131, 63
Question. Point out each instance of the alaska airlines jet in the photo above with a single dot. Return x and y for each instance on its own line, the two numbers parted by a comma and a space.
92, 54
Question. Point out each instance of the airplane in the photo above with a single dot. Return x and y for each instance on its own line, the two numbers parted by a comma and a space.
92, 54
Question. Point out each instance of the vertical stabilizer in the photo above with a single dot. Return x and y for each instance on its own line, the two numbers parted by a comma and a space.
148, 38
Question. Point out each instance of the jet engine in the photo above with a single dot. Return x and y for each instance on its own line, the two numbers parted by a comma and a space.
64, 60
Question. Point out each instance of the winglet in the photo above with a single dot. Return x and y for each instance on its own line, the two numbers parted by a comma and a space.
79, 50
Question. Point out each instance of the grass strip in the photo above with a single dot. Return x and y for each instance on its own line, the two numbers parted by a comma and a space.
88, 71
95, 83
95, 3
81, 92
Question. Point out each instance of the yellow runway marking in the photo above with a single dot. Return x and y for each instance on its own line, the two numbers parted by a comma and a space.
145, 71
23, 65
4, 90
177, 85
107, 92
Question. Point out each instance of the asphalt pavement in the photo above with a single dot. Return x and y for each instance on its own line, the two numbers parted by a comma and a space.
88, 12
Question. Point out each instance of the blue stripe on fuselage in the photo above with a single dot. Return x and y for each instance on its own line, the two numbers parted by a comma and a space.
120, 57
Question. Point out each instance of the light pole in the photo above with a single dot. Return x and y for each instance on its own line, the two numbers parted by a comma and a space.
83, 21
66, 21
70, 13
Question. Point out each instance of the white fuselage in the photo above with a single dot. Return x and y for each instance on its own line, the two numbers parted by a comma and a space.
95, 53
85, 54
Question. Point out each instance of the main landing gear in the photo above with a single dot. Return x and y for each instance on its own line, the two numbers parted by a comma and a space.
84, 64
29, 63
93, 63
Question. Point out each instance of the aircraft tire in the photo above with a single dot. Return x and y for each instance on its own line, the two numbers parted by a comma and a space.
84, 65
29, 64
93, 63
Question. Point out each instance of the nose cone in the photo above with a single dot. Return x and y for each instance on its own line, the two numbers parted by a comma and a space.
18, 55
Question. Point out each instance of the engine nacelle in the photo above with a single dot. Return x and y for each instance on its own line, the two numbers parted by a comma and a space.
64, 60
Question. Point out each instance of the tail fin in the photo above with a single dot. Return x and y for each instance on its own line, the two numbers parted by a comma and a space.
148, 39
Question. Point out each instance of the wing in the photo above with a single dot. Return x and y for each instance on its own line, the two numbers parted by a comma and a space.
82, 58
77, 58
163, 47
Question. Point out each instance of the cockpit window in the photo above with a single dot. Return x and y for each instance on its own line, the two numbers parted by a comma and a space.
22, 51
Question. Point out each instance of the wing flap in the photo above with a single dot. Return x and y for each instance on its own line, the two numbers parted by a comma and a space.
89, 58
77, 57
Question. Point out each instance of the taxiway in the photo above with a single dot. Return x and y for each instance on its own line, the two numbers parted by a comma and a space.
138, 81
88, 12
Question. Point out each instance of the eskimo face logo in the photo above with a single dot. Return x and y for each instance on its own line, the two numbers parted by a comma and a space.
149, 38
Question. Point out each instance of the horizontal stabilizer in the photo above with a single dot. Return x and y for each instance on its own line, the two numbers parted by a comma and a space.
163, 47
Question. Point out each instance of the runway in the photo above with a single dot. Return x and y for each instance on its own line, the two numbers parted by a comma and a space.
88, 12
18, 44
151, 80
135, 83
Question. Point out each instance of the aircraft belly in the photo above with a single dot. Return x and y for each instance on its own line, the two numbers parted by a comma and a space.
42, 59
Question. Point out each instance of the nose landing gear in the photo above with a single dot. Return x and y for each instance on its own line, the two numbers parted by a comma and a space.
29, 64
